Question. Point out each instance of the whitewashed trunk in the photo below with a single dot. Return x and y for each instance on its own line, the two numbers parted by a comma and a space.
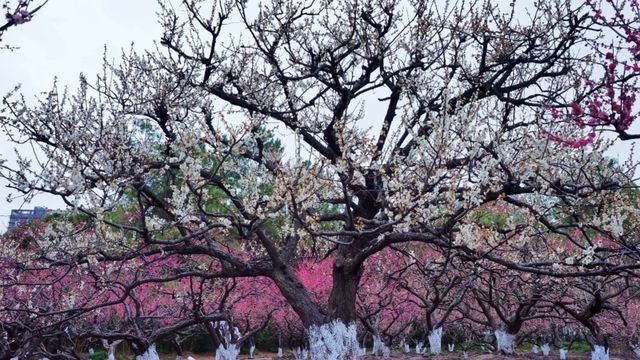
110, 347
420, 349
637, 352
546, 349
406, 347
563, 354
300, 354
378, 345
599, 353
150, 354
435, 341
252, 349
506, 342
451, 347
111, 352
280, 352
229, 352
333, 341
535, 349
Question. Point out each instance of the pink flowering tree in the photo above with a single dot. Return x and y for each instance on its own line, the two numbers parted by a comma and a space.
597, 304
17, 12
383, 310
605, 97
51, 311
436, 282
507, 301
632, 331
247, 310
34, 298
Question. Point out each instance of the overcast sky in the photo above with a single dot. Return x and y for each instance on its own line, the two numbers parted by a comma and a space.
68, 37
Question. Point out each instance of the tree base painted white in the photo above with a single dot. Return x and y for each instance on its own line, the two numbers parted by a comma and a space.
535, 349
252, 349
110, 347
386, 352
150, 354
378, 345
546, 349
280, 354
435, 341
563, 354
300, 354
406, 347
229, 352
111, 351
451, 347
599, 353
420, 349
333, 341
637, 352
506, 342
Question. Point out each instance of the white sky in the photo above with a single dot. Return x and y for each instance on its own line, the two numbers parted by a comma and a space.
68, 37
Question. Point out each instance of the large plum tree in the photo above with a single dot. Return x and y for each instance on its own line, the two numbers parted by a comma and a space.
402, 120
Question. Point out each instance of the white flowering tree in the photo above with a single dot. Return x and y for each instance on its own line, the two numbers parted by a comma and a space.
404, 118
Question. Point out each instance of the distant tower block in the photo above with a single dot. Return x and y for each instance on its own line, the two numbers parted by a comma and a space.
20, 216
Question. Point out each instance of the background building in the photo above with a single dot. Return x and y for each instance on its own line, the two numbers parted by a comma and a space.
19, 216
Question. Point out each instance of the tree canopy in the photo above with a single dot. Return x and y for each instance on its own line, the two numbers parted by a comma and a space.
468, 126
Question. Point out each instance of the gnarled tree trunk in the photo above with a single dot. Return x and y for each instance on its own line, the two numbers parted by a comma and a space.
342, 301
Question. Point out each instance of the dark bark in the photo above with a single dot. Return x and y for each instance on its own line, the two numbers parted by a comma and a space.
297, 296
178, 348
342, 301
